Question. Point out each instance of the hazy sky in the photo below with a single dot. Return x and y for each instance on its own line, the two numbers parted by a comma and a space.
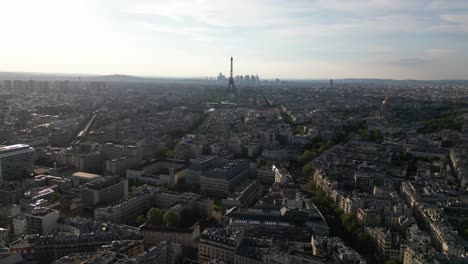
287, 39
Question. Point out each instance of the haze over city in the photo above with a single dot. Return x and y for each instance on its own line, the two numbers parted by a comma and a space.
418, 39
234, 132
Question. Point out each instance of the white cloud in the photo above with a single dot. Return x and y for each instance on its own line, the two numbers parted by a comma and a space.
447, 4
273, 37
309, 18
438, 53
457, 21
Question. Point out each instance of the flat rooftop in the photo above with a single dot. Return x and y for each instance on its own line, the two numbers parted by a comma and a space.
103, 182
227, 169
11, 148
86, 175
42, 211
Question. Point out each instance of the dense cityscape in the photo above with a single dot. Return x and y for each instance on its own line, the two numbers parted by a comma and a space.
235, 170
234, 132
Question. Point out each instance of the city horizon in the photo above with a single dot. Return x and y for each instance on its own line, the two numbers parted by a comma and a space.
77, 75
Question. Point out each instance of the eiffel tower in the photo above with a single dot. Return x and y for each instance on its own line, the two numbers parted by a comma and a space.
231, 86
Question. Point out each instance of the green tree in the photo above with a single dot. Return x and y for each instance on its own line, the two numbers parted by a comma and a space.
55, 197
169, 153
155, 216
133, 184
407, 156
307, 156
261, 163
188, 217
325, 145
345, 218
309, 168
141, 219
363, 237
172, 218
448, 122
341, 222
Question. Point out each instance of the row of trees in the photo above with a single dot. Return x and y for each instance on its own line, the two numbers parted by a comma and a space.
461, 226
436, 125
371, 134
317, 147
169, 218
340, 223
157, 217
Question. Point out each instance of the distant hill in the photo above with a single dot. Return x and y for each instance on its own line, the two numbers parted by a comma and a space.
40, 76
24, 76
72, 77
118, 78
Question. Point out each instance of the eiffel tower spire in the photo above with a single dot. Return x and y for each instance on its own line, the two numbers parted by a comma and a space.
231, 85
